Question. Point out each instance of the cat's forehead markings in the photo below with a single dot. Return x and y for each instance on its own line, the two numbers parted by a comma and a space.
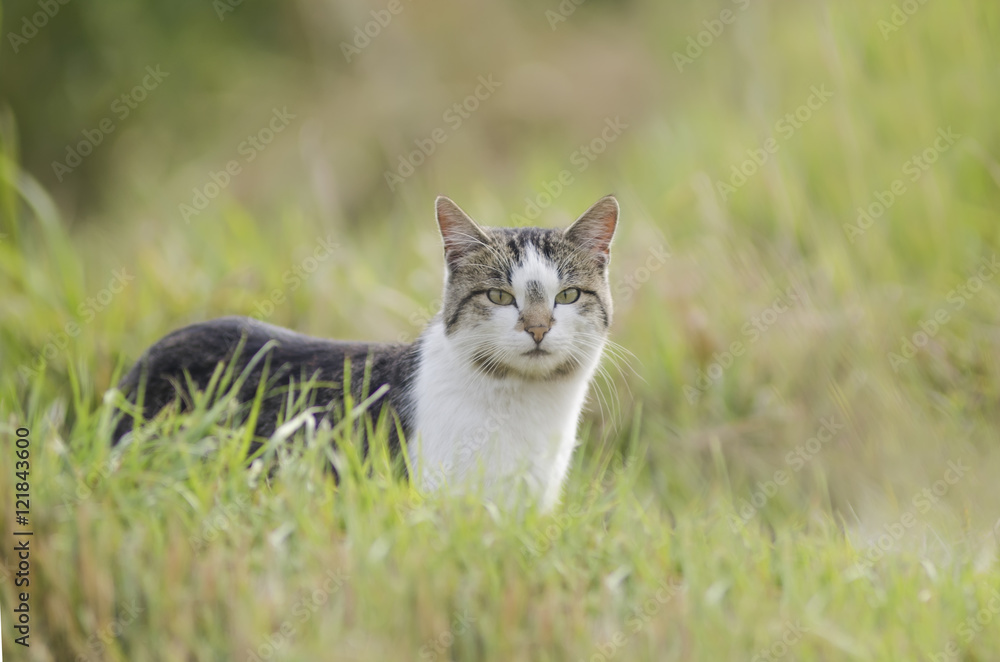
534, 272
534, 291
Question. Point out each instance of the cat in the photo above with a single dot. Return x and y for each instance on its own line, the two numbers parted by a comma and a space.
488, 397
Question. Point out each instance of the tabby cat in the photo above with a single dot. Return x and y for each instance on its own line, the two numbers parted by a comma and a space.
488, 397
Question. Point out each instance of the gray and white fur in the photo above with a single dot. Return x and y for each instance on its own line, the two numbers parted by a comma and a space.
488, 397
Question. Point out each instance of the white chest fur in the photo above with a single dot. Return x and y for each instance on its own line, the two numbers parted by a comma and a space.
492, 436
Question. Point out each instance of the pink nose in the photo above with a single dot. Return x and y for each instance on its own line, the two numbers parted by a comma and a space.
537, 332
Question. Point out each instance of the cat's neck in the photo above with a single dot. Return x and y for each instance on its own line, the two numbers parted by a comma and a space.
477, 431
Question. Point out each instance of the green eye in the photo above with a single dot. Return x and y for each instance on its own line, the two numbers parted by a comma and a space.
500, 298
569, 295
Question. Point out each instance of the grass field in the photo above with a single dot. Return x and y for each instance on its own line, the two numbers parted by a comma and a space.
794, 456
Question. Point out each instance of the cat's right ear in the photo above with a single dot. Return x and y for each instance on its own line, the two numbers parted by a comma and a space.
595, 229
459, 232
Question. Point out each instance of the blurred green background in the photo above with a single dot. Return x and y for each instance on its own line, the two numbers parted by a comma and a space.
810, 112
692, 92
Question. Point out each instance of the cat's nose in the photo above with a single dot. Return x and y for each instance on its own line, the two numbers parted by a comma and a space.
538, 332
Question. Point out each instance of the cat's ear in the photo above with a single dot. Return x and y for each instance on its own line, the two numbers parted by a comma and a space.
460, 233
594, 229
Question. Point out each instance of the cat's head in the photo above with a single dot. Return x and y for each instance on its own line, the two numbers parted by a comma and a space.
528, 302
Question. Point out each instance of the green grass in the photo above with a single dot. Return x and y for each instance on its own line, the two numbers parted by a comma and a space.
706, 524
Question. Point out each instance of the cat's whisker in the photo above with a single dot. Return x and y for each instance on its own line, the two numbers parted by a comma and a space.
613, 397
615, 361
615, 353
603, 400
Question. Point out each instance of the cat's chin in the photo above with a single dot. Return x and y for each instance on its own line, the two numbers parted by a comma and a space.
534, 365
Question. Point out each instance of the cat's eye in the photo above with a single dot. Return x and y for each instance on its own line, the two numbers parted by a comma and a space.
569, 295
500, 298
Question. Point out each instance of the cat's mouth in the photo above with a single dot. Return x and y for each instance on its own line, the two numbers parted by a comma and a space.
534, 364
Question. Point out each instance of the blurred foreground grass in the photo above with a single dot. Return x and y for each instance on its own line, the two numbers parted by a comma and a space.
774, 474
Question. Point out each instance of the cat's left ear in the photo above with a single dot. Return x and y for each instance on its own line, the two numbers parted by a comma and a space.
594, 230
460, 233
